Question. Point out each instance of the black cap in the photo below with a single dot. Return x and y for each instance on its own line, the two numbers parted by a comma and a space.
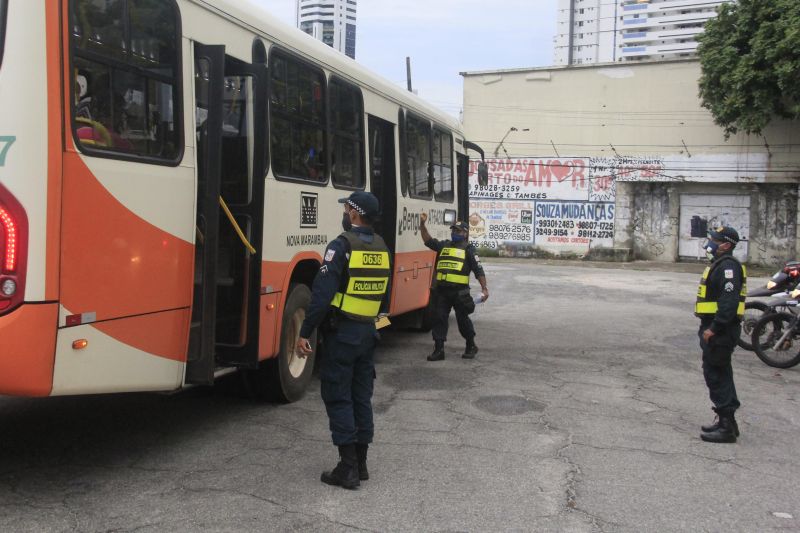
365, 203
725, 233
460, 224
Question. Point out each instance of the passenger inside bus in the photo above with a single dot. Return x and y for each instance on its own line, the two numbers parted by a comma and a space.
99, 124
314, 163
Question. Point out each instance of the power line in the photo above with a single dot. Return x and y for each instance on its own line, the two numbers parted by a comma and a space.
587, 145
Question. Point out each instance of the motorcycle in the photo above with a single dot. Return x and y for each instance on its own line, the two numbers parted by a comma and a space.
776, 336
778, 290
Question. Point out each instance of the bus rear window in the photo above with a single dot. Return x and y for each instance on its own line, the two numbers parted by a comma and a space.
3, 11
126, 77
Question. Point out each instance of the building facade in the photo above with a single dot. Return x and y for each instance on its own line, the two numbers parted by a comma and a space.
620, 160
598, 31
331, 21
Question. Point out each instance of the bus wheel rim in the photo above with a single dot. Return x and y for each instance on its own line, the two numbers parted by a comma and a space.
297, 364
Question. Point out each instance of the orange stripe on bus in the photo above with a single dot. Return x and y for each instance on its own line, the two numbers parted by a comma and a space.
113, 262
27, 350
161, 334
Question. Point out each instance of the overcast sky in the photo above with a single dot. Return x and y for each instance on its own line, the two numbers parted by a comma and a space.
445, 37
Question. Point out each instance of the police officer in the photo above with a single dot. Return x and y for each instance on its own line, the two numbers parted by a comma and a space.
720, 307
349, 292
455, 260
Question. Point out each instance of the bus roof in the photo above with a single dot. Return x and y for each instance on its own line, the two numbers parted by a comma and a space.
254, 16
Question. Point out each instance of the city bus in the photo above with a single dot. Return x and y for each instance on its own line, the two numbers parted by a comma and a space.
169, 177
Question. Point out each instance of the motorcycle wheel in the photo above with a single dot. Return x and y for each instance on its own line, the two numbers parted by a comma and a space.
767, 333
753, 311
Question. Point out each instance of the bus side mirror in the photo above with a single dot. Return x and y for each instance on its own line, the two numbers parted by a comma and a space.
483, 174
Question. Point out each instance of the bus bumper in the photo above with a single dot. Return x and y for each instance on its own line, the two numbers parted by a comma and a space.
27, 350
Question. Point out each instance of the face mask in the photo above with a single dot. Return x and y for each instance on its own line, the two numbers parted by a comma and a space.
456, 237
711, 249
346, 224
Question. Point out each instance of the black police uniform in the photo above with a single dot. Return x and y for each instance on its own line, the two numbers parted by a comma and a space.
720, 310
347, 369
449, 296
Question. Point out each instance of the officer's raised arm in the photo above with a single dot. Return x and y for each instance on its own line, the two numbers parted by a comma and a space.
429, 241
423, 229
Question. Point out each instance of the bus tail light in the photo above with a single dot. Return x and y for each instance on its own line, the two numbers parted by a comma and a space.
13, 251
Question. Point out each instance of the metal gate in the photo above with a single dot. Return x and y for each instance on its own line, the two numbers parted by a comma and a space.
716, 210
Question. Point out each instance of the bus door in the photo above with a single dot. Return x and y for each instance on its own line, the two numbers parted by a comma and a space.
383, 181
231, 128
462, 174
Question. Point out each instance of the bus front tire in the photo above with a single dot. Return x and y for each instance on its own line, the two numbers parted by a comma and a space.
286, 377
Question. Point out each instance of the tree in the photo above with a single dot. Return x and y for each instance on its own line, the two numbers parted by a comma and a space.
750, 60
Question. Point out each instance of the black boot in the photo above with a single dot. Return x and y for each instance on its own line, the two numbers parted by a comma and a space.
715, 425
438, 352
346, 472
725, 431
470, 351
361, 455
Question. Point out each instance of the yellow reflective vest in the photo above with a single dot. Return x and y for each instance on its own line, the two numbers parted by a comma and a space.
707, 307
452, 266
366, 280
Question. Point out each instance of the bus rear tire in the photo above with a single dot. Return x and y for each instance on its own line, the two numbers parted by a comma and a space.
286, 377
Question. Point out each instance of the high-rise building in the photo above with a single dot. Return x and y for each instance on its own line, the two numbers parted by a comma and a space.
331, 21
599, 31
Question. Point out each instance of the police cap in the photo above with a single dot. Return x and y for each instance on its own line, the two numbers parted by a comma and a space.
460, 225
365, 203
725, 234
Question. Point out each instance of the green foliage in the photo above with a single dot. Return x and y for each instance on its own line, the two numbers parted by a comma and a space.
750, 59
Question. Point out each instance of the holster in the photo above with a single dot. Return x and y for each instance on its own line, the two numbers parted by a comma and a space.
331, 322
465, 301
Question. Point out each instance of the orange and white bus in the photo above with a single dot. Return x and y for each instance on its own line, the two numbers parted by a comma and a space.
169, 171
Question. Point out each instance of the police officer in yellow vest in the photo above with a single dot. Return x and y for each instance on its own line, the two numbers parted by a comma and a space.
350, 290
720, 307
455, 261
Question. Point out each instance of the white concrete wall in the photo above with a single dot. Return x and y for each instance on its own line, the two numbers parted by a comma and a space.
640, 123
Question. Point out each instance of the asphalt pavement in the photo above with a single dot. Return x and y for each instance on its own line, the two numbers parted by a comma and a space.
581, 413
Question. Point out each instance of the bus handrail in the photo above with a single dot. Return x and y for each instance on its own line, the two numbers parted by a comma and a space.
236, 227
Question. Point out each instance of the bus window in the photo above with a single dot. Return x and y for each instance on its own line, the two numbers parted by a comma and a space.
442, 166
297, 119
403, 160
237, 139
347, 129
418, 156
125, 86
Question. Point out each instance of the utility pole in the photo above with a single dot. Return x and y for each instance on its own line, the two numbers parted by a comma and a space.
408, 74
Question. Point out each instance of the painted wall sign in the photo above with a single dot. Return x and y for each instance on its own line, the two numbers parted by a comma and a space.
554, 205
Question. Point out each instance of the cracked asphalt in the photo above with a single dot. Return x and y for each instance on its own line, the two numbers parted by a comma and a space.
581, 413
